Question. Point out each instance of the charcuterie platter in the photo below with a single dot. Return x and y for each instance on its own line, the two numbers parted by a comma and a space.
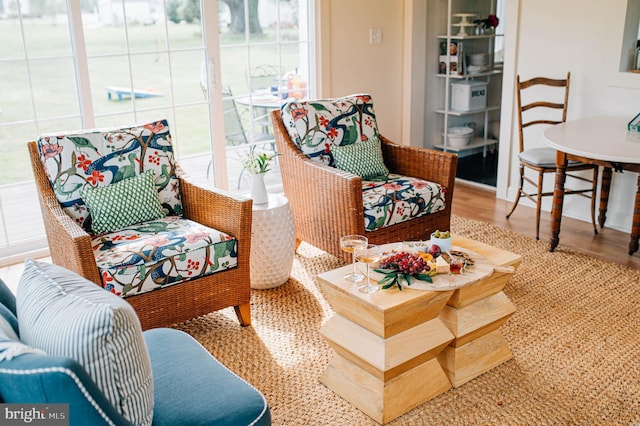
410, 265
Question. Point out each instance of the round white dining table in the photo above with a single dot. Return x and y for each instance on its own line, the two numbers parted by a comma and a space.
601, 140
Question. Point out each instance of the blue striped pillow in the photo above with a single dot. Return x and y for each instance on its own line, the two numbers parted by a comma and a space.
66, 315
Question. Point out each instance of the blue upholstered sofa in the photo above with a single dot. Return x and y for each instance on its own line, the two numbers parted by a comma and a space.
55, 309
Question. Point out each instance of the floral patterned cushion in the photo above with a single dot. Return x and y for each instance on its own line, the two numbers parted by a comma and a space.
317, 124
159, 253
395, 198
99, 157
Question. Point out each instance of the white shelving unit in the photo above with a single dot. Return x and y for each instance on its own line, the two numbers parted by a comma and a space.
476, 42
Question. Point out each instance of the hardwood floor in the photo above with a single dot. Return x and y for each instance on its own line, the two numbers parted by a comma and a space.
477, 203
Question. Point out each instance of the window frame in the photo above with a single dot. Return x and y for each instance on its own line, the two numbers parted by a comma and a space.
12, 250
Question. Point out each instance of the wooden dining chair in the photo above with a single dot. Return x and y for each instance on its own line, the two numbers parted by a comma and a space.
544, 101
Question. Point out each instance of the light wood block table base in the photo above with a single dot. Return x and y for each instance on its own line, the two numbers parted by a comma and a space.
474, 315
384, 401
396, 350
386, 345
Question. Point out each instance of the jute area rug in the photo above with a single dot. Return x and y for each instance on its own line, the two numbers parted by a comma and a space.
575, 342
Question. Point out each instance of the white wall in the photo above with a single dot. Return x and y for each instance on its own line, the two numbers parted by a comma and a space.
550, 37
543, 37
349, 64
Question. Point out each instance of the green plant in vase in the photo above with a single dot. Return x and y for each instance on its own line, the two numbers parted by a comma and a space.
257, 162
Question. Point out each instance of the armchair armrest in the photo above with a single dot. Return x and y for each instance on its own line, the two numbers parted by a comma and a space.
69, 243
428, 164
410, 161
217, 209
42, 379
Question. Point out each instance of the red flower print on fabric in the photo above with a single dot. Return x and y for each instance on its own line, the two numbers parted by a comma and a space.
83, 162
154, 159
112, 289
195, 237
158, 241
156, 127
51, 150
324, 121
119, 137
95, 177
392, 186
333, 133
298, 113
106, 278
192, 266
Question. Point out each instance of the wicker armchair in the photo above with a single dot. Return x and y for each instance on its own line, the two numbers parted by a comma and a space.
321, 220
71, 247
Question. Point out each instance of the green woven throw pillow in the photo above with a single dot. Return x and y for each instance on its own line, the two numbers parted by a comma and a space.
123, 203
361, 158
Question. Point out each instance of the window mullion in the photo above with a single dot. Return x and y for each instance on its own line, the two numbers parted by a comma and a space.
79, 48
210, 31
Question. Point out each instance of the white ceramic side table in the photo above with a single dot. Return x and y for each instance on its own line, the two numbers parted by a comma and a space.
273, 241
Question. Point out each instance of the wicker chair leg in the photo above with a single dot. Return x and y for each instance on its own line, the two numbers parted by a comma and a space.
243, 312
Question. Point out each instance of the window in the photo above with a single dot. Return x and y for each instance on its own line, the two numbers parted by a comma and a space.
82, 64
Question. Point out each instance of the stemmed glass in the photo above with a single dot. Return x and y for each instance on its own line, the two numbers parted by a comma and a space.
368, 255
349, 243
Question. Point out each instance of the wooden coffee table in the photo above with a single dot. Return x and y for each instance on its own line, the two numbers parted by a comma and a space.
398, 349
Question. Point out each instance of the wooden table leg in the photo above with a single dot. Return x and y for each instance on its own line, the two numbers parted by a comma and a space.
635, 226
558, 198
604, 195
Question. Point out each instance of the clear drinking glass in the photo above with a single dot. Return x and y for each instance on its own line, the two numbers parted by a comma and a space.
368, 255
349, 243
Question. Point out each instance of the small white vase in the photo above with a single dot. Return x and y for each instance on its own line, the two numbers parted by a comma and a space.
259, 189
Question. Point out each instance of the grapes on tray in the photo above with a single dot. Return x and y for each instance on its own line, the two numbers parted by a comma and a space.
404, 262
403, 267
